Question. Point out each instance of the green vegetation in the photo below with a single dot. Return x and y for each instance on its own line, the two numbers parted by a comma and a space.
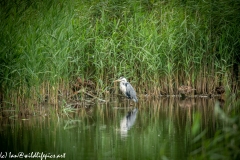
158, 45
225, 142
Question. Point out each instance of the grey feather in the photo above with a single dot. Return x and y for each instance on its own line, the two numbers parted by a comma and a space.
130, 92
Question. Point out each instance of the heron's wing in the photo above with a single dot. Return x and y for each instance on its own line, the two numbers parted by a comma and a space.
130, 92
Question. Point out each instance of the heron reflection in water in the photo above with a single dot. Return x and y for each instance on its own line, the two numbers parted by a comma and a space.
127, 122
127, 89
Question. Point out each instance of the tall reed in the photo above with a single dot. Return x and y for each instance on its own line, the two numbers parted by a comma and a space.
157, 45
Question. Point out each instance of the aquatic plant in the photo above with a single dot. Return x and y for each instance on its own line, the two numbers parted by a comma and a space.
225, 142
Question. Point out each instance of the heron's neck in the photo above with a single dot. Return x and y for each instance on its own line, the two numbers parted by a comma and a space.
123, 83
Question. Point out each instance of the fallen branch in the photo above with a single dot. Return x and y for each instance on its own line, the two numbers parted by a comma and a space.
82, 91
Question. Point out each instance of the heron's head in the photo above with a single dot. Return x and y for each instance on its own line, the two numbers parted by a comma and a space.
121, 79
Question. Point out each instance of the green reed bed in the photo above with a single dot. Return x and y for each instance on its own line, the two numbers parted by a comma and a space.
157, 45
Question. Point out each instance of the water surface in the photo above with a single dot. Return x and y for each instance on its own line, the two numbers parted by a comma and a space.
150, 129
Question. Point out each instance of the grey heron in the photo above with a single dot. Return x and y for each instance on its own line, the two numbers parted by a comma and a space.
127, 89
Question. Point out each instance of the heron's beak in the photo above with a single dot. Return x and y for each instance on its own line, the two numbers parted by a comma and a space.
117, 80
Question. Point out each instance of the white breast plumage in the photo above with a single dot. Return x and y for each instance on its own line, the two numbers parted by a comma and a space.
123, 88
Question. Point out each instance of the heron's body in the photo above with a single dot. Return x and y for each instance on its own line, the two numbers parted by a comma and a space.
127, 89
123, 88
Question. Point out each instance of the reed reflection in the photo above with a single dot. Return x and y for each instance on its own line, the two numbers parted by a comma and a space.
127, 122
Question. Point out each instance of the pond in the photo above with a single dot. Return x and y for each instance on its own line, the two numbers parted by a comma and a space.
150, 129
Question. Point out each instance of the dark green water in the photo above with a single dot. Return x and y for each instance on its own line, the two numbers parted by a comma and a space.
157, 129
